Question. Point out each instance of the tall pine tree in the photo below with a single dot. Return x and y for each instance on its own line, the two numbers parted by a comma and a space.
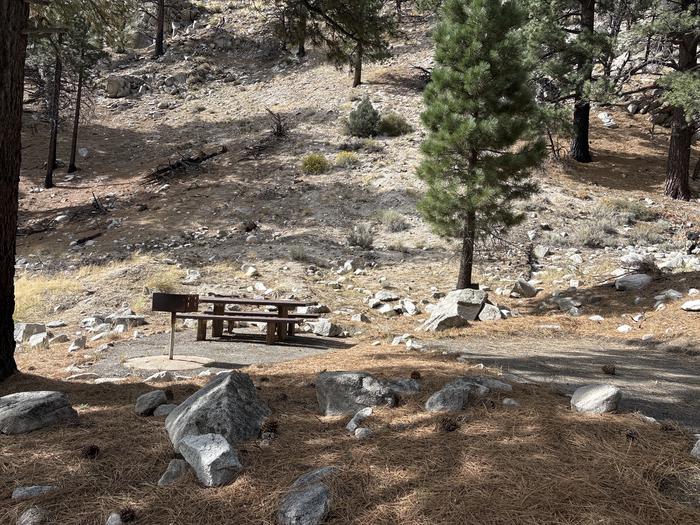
481, 116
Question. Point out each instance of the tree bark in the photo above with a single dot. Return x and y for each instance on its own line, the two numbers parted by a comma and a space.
55, 101
160, 28
678, 166
357, 80
13, 45
580, 148
76, 121
466, 262
301, 33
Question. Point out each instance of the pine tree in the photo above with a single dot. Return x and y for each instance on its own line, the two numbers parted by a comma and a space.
481, 116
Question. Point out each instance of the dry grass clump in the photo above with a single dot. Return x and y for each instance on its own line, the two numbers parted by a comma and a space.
393, 221
629, 211
37, 295
537, 464
346, 159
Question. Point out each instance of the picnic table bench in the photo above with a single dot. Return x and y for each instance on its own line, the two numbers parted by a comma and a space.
280, 322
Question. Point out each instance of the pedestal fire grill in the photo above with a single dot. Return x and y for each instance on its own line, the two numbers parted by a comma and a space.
174, 303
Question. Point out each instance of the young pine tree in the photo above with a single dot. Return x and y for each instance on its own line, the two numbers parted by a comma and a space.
481, 114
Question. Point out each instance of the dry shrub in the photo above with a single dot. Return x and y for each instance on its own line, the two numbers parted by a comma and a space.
37, 295
315, 164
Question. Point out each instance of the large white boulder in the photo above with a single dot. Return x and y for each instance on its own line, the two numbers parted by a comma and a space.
456, 309
596, 399
308, 500
27, 411
212, 458
229, 406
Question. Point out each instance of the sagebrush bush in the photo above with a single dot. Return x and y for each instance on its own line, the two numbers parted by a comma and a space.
362, 236
650, 233
314, 164
346, 159
363, 121
629, 211
393, 125
393, 221
592, 235
297, 253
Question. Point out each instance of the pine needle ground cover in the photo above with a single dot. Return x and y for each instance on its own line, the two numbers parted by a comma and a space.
538, 463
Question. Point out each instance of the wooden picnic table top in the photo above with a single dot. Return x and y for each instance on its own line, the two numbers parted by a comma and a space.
213, 299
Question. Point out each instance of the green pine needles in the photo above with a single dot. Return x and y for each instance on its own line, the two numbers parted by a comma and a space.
482, 121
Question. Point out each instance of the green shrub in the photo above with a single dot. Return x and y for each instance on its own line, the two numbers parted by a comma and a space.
346, 159
362, 236
394, 125
314, 164
363, 120
393, 221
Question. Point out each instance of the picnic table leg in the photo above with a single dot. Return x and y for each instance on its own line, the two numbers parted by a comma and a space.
172, 334
201, 329
270, 337
282, 311
217, 327
290, 329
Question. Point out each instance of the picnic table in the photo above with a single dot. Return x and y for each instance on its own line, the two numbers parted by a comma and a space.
279, 322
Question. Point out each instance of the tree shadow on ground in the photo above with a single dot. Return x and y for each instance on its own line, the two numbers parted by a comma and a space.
500, 466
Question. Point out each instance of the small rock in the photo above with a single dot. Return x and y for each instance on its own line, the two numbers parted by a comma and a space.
164, 410
691, 306
363, 433
624, 329
77, 344
147, 403
596, 399
386, 296
32, 491
26, 411
39, 340
358, 418
212, 458
634, 281
695, 452
33, 516
114, 519
524, 288
510, 402
308, 501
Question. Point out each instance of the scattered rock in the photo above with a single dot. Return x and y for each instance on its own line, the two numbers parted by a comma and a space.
164, 410
454, 396
524, 289
510, 402
409, 307
164, 376
27, 411
23, 331
624, 329
490, 312
39, 340
176, 469
77, 344
691, 306
117, 87
325, 328
228, 405
360, 318
358, 418
211, 457
147, 403
695, 452
633, 281
596, 399
386, 296
363, 433
343, 393
308, 501
114, 518
32, 491
389, 310
455, 310
34, 515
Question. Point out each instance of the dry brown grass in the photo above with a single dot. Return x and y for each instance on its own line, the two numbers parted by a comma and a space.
36, 296
535, 464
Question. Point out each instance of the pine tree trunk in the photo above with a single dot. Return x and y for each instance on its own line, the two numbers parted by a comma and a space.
466, 261
55, 101
13, 44
357, 80
76, 122
160, 28
678, 166
580, 148
301, 34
